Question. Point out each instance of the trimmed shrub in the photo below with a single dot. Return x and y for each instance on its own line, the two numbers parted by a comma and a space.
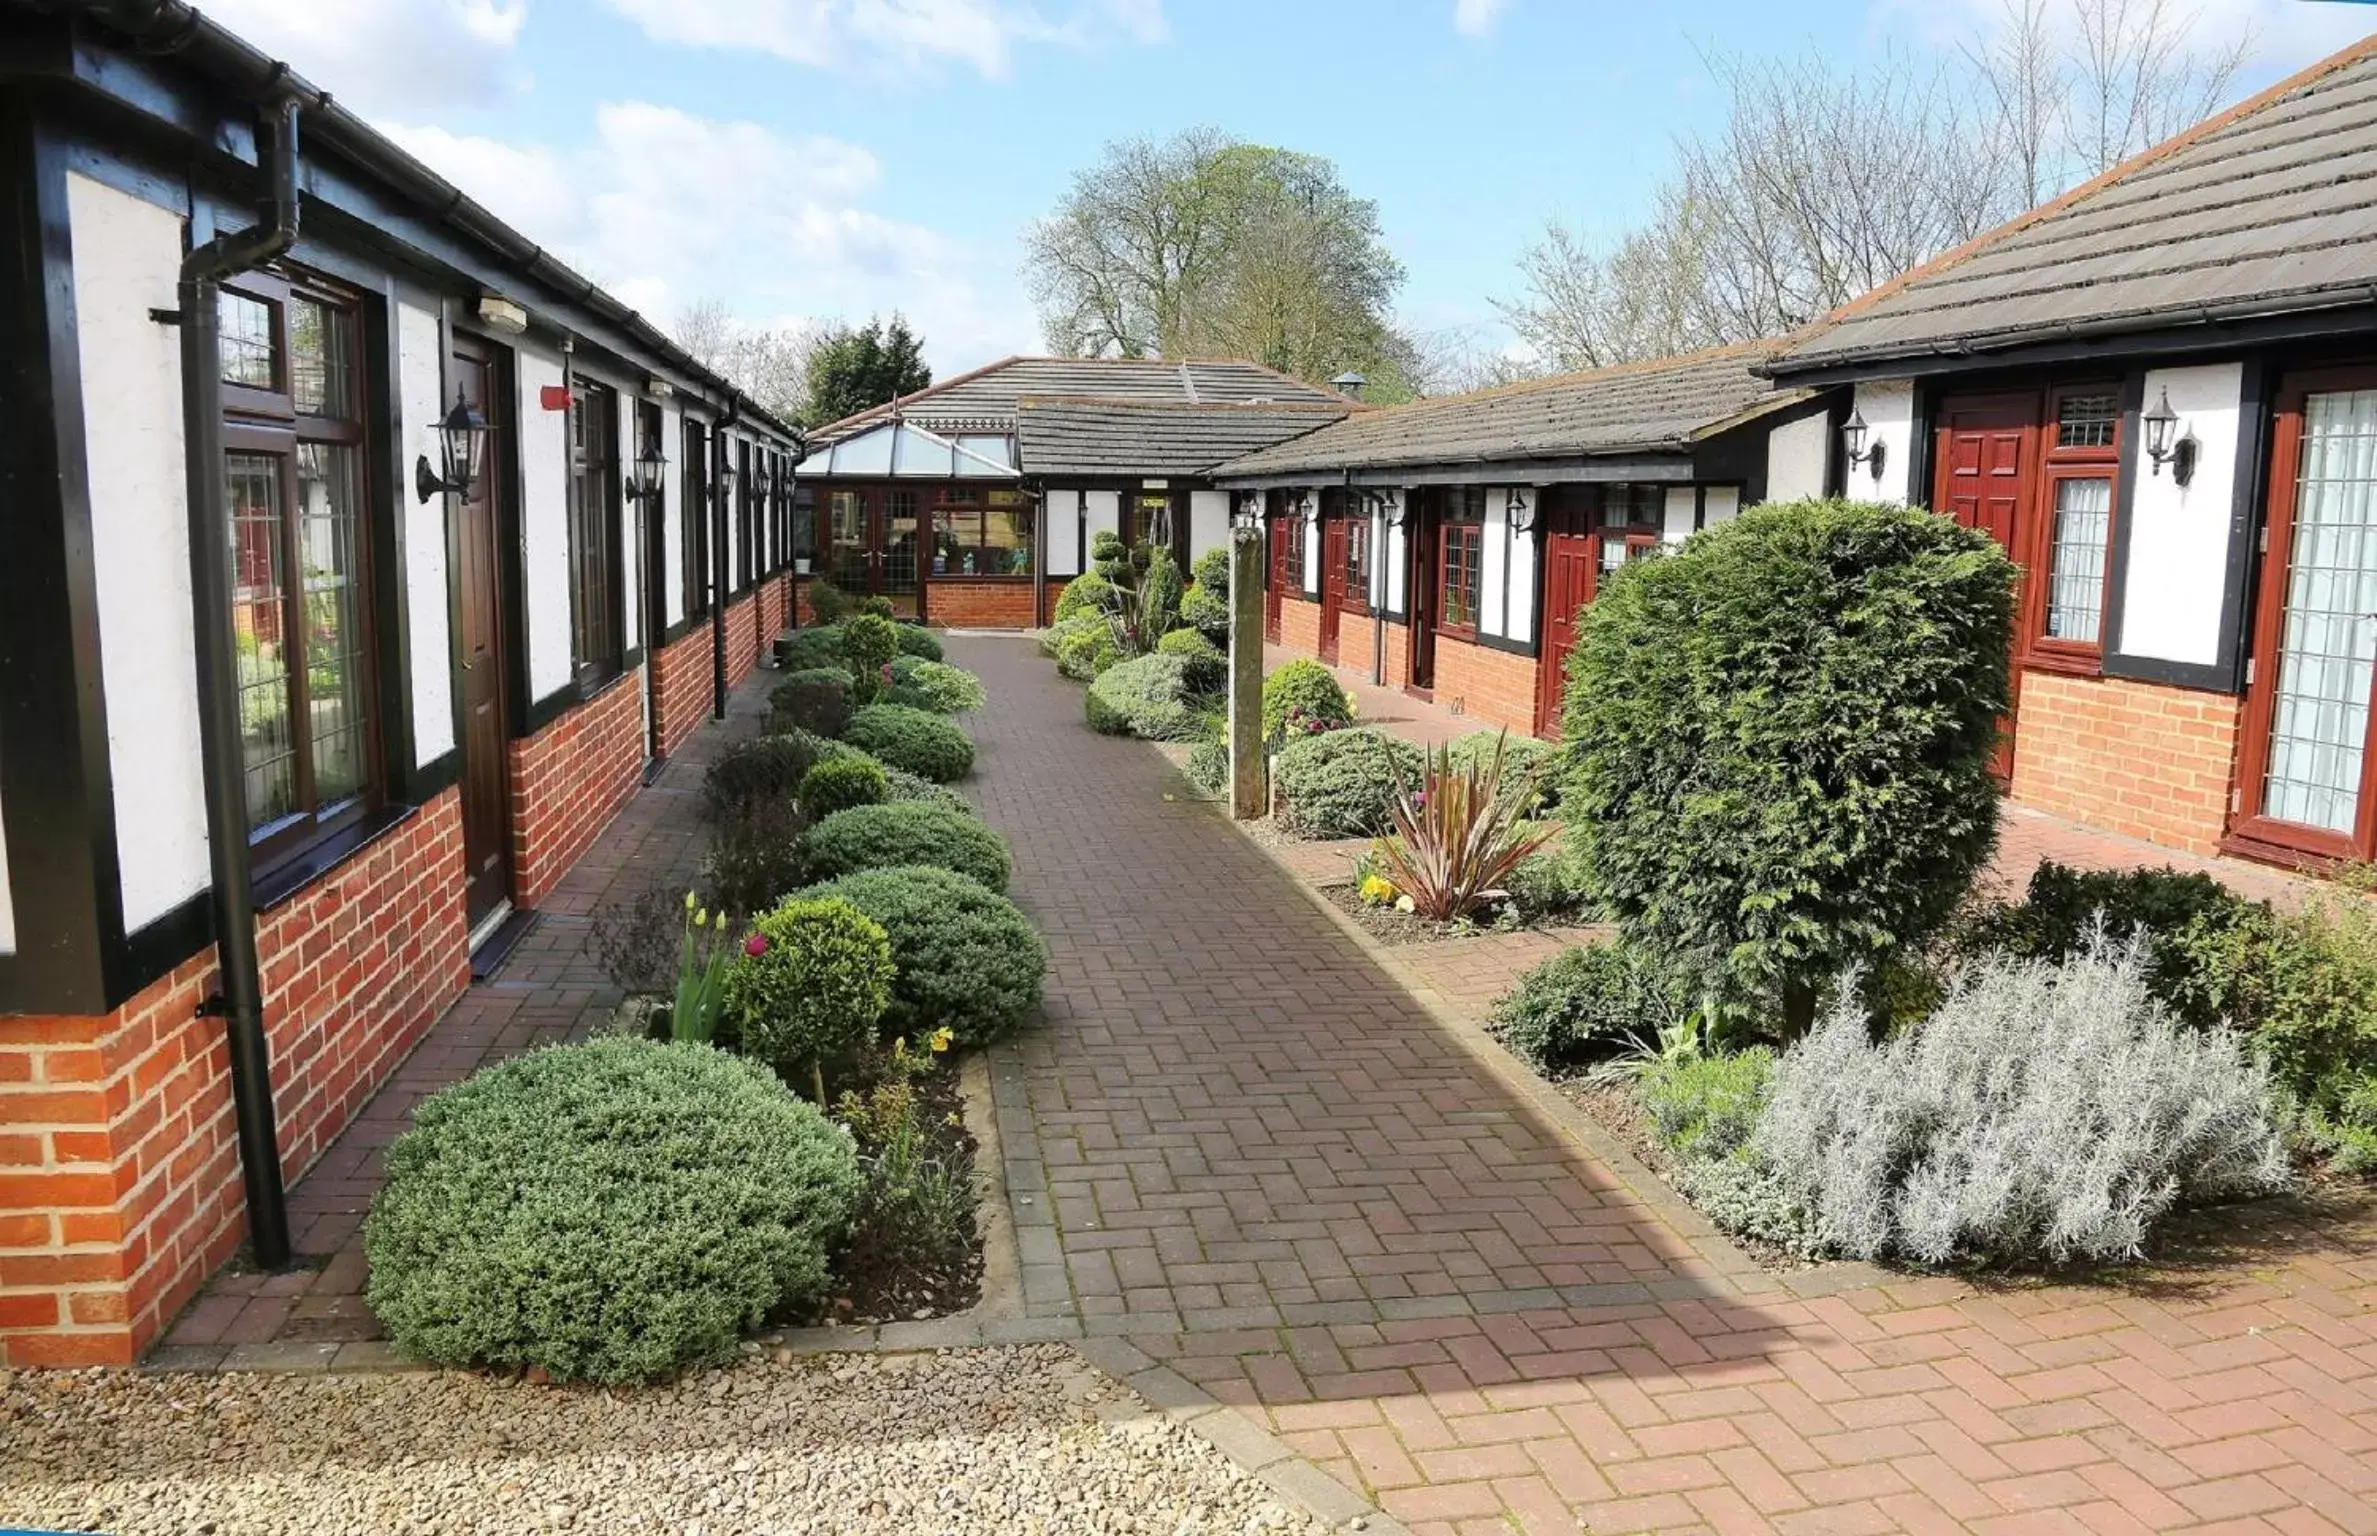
819, 646
967, 959
613, 1211
1211, 570
947, 689
2302, 985
758, 768
878, 606
2059, 911
1520, 755
914, 739
1208, 613
1593, 1002
1309, 692
886, 836
809, 984
1780, 737
2045, 1111
901, 787
1550, 883
840, 783
917, 641
870, 641
1208, 664
1146, 697
1109, 556
1088, 595
1085, 647
813, 699
1342, 784
827, 601
1208, 767
755, 856
1160, 587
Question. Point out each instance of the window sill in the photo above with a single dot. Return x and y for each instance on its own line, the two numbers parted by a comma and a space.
293, 873
1466, 633
2064, 663
950, 576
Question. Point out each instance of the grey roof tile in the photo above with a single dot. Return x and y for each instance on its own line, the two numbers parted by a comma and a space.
986, 399
1098, 437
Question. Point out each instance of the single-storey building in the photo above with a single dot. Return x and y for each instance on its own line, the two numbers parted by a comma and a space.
361, 559
973, 502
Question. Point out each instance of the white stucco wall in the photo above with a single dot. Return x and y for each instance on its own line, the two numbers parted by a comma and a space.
127, 259
1796, 453
421, 390
1398, 559
1312, 543
631, 521
1493, 564
1209, 521
2178, 538
672, 517
1060, 516
1681, 514
544, 523
1719, 504
1888, 407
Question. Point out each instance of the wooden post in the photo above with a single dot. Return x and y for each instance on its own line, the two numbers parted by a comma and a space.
1250, 794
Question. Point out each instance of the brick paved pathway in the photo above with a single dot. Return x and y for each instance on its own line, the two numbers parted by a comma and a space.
1272, 1170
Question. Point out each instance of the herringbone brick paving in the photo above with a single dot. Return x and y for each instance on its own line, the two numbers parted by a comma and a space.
1277, 1173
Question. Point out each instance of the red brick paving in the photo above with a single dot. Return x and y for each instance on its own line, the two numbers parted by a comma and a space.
1277, 1173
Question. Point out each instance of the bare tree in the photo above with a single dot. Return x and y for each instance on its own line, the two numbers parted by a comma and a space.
2140, 81
770, 364
2025, 87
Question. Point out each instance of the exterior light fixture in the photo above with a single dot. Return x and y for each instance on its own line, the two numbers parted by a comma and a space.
726, 474
1398, 508
1853, 435
1246, 515
644, 474
2162, 426
462, 439
1519, 509
1306, 508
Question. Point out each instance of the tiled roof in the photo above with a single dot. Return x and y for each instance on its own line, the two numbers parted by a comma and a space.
1109, 437
985, 400
1634, 407
2267, 209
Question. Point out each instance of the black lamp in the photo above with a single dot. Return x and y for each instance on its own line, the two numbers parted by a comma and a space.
462, 439
1853, 435
644, 474
2162, 426
1519, 508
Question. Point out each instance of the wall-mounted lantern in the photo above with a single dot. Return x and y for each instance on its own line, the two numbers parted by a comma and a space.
1519, 509
462, 444
1246, 515
2162, 425
726, 475
1306, 510
644, 473
1853, 435
1398, 508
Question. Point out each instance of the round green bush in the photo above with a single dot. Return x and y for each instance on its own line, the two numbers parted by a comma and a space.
1342, 784
944, 689
1311, 694
758, 768
613, 1211
1780, 737
810, 983
907, 832
1207, 611
1085, 647
1208, 664
816, 648
1520, 755
827, 601
1146, 696
967, 959
901, 786
1211, 571
917, 641
812, 699
870, 641
1588, 1003
915, 739
1087, 595
843, 782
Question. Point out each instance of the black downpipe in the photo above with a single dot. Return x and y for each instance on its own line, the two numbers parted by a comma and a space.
720, 456
241, 1000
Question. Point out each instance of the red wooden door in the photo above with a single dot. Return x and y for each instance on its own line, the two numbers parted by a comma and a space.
1332, 583
1985, 449
1278, 584
486, 809
1567, 588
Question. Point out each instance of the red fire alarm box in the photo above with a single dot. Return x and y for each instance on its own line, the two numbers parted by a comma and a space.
554, 397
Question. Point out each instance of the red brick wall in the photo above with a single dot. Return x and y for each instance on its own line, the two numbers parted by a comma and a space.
2135, 758
775, 605
1300, 626
682, 689
1356, 637
806, 615
1497, 687
962, 604
742, 639
569, 779
119, 1169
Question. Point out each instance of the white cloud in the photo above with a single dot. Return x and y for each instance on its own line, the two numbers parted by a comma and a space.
389, 55
2286, 35
1475, 18
900, 37
663, 207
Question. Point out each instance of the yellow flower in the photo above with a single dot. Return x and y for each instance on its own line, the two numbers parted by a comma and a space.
952, 1117
942, 1039
1377, 890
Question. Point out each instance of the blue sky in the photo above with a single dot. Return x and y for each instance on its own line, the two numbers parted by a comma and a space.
805, 159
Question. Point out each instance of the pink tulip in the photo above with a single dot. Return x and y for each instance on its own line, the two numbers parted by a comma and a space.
756, 945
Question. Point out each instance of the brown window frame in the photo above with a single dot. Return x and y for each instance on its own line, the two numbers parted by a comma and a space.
2057, 465
1292, 563
1357, 558
1464, 524
264, 422
955, 506
597, 615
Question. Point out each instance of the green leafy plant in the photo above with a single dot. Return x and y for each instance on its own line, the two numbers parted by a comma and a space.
911, 832
901, 786
1780, 737
917, 641
1208, 766
1146, 696
809, 984
876, 605
1459, 834
613, 1211
1109, 556
1085, 647
1311, 694
757, 768
1206, 606
916, 1207
1538, 760
1595, 1002
945, 689
813, 699
702, 961
870, 641
1342, 783
841, 783
2061, 908
754, 857
819, 646
1207, 665
1088, 595
967, 959
1159, 590
1705, 1106
914, 739
827, 602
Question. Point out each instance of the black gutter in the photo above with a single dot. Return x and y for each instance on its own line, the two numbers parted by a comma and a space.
241, 999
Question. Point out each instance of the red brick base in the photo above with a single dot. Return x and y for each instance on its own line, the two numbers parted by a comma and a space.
1496, 687
569, 779
962, 604
683, 695
2135, 758
119, 1169
1300, 626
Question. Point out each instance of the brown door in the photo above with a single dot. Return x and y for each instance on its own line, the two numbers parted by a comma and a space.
1985, 450
2307, 778
1278, 584
1420, 589
1568, 557
486, 814
1332, 579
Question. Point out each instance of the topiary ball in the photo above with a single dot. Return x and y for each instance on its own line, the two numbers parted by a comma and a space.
918, 641
967, 959
901, 785
813, 699
1343, 783
842, 782
613, 1211
1311, 694
945, 689
1088, 595
886, 836
1147, 697
1206, 663
817, 647
810, 983
914, 739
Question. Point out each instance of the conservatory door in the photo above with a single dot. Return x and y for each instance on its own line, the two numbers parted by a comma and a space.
2309, 780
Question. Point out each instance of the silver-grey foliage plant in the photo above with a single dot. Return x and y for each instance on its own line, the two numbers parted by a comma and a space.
2044, 1111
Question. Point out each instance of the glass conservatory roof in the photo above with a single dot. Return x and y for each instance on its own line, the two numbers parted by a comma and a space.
903, 450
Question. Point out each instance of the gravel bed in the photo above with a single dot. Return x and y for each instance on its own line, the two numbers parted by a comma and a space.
1028, 1439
